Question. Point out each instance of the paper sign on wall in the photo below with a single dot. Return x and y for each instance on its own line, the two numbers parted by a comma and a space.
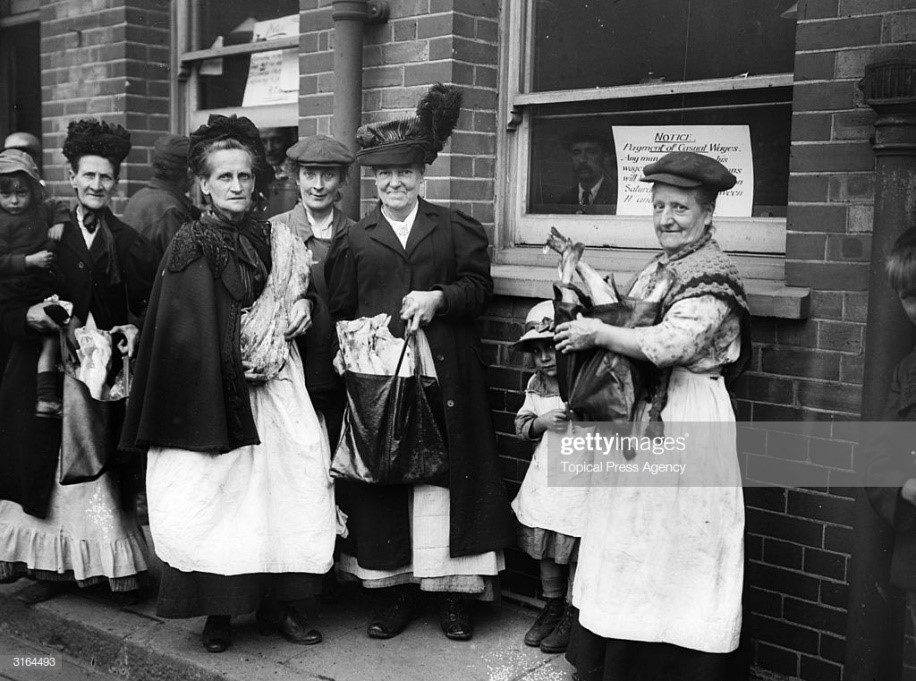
639, 145
273, 78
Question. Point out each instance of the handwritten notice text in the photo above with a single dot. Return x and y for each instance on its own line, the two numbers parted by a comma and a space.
639, 145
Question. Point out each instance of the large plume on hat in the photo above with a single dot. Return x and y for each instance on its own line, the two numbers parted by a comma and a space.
438, 115
91, 137
387, 132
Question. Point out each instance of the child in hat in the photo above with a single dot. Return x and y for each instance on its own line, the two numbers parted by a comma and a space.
27, 259
550, 518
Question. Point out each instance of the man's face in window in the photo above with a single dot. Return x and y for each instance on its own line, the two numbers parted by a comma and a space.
588, 162
276, 142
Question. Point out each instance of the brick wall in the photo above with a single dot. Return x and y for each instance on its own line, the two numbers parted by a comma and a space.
106, 59
424, 41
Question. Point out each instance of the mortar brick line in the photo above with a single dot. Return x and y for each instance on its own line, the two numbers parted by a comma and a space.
802, 573
852, 48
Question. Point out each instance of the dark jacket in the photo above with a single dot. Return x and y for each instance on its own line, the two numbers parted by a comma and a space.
319, 345
29, 446
890, 469
606, 196
22, 235
108, 283
368, 273
158, 211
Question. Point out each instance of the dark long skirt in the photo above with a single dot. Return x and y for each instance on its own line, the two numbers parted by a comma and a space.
193, 594
608, 659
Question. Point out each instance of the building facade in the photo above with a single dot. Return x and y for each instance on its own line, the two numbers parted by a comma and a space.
778, 84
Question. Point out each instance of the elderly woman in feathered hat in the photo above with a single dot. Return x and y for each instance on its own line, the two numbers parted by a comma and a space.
241, 504
660, 574
427, 267
75, 532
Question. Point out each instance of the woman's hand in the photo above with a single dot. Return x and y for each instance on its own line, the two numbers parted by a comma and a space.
56, 231
908, 491
37, 320
579, 334
556, 420
419, 307
131, 333
300, 319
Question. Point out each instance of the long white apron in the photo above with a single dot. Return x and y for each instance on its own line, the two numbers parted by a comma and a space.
264, 508
666, 564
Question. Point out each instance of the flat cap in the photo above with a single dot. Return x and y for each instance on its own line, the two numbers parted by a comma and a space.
320, 150
689, 169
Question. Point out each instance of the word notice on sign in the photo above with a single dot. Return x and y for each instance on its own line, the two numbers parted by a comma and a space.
639, 145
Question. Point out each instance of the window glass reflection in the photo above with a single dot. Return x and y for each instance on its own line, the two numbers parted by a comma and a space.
590, 43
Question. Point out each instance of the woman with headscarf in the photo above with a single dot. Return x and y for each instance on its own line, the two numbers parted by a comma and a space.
661, 565
240, 499
88, 532
427, 267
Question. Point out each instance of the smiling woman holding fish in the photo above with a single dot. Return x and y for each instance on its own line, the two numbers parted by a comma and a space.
661, 569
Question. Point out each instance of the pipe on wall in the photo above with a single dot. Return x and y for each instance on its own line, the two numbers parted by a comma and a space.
350, 17
875, 626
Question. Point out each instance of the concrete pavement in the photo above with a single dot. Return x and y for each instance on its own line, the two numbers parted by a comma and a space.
132, 643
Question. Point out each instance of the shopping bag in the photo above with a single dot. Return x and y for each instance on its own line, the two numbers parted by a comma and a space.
86, 439
394, 428
598, 384
95, 375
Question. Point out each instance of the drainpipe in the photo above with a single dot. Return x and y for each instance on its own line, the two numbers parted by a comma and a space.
874, 637
349, 18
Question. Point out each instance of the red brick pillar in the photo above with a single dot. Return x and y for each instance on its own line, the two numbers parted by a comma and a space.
106, 59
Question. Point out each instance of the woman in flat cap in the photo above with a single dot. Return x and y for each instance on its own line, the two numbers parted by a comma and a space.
427, 267
241, 503
87, 532
320, 166
660, 573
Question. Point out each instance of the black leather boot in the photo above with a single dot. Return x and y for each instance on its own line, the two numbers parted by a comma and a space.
395, 610
455, 618
546, 621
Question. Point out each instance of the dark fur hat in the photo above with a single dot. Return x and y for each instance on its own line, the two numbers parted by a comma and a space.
412, 139
91, 137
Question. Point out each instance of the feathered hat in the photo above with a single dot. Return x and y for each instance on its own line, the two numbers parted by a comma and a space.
238, 128
412, 139
91, 137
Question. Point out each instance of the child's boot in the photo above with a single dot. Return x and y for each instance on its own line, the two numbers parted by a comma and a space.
558, 640
546, 621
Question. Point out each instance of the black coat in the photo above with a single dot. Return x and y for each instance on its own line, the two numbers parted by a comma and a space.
369, 272
29, 446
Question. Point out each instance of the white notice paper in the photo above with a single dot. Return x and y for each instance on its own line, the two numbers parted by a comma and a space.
273, 78
639, 145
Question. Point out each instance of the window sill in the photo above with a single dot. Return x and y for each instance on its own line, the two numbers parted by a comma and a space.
766, 297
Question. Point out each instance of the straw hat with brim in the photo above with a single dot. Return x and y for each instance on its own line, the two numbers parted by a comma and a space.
689, 169
539, 325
